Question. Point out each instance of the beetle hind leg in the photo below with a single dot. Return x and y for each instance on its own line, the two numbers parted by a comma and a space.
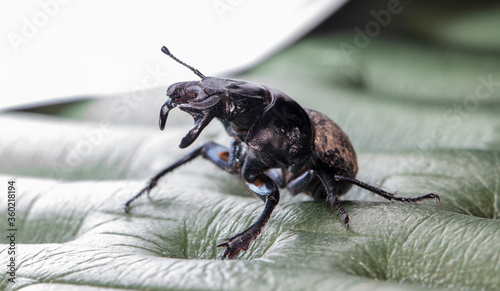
384, 194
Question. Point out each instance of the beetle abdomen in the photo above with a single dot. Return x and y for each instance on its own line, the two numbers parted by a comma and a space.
332, 146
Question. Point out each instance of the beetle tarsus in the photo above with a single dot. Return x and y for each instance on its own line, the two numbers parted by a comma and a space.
242, 240
384, 194
145, 189
234, 244
335, 203
438, 200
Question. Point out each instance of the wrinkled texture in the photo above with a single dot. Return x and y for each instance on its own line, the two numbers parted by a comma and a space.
410, 111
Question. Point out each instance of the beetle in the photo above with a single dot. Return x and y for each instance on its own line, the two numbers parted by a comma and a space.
275, 144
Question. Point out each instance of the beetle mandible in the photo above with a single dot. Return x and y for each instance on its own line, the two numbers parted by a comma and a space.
276, 144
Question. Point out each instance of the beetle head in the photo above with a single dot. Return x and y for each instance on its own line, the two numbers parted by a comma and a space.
192, 98
234, 101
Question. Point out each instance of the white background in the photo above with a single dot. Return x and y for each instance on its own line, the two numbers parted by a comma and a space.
53, 49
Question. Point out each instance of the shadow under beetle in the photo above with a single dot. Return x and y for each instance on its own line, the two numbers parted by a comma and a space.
276, 144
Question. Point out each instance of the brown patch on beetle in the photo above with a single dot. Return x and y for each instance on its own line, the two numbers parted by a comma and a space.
223, 155
258, 182
332, 145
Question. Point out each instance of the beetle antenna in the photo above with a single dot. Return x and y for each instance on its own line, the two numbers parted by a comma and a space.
165, 50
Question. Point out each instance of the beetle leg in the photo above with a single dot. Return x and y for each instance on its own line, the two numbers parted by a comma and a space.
301, 183
332, 195
253, 173
384, 194
277, 176
236, 157
210, 151
335, 202
264, 187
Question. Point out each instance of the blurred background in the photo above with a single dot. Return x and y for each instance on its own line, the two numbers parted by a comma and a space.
55, 49
59, 49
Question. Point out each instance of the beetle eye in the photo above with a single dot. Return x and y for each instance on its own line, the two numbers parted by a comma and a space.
192, 95
195, 94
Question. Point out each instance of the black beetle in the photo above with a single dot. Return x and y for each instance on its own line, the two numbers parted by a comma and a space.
276, 144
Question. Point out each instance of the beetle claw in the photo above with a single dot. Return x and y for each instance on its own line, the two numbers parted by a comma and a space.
235, 244
226, 252
146, 190
232, 248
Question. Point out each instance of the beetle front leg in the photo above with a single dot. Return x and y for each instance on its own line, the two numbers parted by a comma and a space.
264, 187
210, 151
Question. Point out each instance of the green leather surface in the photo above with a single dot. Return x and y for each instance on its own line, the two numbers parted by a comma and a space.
423, 115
